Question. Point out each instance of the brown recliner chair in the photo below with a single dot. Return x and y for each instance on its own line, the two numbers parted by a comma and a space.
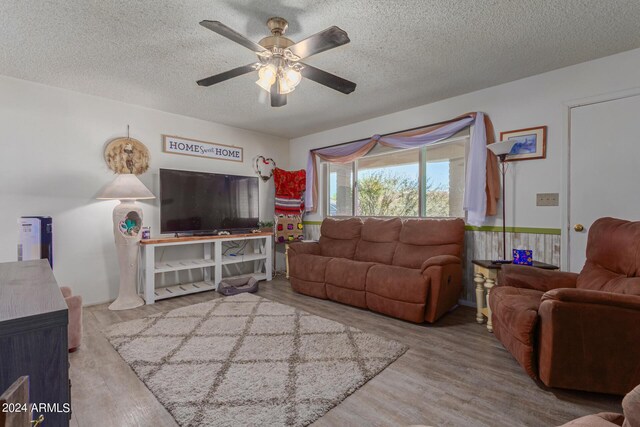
577, 331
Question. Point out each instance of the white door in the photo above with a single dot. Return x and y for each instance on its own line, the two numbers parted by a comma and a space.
604, 168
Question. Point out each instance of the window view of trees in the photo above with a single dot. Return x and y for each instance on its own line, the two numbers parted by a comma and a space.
386, 194
388, 183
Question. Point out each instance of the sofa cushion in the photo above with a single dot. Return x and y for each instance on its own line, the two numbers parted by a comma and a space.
346, 273
378, 240
398, 283
421, 239
306, 287
409, 311
310, 267
515, 319
614, 244
432, 232
596, 278
339, 237
346, 296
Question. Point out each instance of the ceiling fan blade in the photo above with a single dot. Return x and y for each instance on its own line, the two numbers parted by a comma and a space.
223, 30
226, 75
328, 79
324, 40
277, 100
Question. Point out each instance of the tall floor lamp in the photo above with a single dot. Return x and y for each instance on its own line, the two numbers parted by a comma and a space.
502, 150
127, 226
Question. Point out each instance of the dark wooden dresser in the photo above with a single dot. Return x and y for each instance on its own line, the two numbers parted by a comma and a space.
33, 337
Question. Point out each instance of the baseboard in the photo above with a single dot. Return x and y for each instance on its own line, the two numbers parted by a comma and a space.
467, 303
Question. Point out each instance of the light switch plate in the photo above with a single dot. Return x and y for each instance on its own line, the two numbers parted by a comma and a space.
547, 199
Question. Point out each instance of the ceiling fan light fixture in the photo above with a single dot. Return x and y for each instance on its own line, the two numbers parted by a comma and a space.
292, 76
283, 86
279, 59
267, 77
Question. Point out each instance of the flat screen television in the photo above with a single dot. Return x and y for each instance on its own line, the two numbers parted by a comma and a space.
199, 202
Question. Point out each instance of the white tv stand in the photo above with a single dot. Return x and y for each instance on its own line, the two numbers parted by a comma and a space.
261, 258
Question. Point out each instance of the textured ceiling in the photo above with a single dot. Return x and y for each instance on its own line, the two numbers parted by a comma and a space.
403, 53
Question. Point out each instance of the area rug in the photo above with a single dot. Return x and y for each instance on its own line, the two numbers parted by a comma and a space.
245, 360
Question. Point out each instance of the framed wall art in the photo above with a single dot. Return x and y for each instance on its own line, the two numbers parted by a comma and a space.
531, 143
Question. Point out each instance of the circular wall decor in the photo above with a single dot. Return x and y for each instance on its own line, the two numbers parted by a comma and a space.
127, 155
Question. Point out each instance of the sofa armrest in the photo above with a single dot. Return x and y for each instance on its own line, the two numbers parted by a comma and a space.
587, 296
74, 302
440, 260
588, 340
298, 248
522, 276
444, 275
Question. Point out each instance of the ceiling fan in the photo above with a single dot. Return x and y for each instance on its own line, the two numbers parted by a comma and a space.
279, 67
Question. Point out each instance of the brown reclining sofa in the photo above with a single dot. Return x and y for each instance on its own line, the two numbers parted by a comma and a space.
410, 269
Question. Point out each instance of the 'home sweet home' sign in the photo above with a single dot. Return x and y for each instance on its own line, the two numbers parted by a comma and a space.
193, 147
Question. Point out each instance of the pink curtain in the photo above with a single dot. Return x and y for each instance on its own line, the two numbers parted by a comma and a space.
482, 179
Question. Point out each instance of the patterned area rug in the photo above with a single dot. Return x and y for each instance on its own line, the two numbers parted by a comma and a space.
245, 360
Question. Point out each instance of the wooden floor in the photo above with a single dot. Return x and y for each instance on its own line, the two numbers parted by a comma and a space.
454, 374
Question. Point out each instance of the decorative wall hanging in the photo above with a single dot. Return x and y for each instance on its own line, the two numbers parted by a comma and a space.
531, 143
289, 228
127, 155
193, 147
262, 165
290, 188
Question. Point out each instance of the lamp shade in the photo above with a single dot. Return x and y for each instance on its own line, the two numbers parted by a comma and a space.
126, 186
502, 147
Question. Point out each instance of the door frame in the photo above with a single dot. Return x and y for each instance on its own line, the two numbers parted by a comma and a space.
568, 106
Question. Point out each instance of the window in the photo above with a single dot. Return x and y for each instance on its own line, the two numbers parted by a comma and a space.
444, 166
421, 182
340, 189
388, 184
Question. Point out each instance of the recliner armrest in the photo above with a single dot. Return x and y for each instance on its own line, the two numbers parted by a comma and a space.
444, 274
440, 260
588, 340
587, 296
522, 276
298, 248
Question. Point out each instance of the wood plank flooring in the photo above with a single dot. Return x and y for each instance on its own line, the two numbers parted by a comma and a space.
454, 374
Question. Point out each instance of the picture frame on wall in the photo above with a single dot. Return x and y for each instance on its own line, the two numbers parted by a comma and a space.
531, 143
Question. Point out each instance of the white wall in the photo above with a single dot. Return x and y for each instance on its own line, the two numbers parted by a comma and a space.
51, 163
534, 101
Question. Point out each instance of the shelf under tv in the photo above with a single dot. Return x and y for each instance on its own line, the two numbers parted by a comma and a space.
212, 264
183, 264
183, 289
229, 259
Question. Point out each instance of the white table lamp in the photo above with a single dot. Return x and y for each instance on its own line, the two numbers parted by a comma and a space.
127, 226
502, 150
